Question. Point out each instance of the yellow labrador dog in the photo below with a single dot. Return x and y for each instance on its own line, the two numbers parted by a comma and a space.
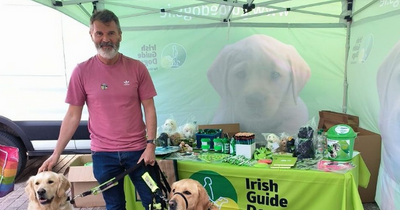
47, 191
189, 194
259, 80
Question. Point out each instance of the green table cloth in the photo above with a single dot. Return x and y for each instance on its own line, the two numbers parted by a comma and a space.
251, 188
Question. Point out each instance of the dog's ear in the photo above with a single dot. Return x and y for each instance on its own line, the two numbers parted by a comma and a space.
300, 71
204, 200
63, 185
30, 190
172, 188
218, 71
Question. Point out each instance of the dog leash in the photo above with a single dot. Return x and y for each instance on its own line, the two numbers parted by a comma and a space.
157, 187
108, 184
160, 187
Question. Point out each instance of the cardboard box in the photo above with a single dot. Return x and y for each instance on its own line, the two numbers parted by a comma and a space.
231, 129
82, 179
246, 150
369, 145
327, 119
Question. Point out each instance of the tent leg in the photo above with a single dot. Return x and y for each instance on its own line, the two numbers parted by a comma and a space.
345, 83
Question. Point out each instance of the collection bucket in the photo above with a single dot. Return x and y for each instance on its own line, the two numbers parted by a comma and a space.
340, 140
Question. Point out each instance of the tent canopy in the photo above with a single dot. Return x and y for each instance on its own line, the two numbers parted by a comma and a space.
201, 29
341, 43
189, 14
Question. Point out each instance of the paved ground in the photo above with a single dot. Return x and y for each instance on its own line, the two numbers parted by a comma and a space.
370, 206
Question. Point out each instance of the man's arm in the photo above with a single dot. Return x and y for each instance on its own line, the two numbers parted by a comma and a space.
150, 117
68, 128
151, 127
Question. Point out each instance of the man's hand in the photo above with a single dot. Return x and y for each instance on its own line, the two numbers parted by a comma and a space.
68, 128
49, 163
149, 155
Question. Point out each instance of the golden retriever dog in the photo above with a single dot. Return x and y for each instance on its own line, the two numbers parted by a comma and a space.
47, 191
259, 80
189, 194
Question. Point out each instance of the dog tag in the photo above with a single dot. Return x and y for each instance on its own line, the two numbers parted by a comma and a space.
150, 182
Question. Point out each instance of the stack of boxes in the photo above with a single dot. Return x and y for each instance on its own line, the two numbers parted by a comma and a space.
245, 144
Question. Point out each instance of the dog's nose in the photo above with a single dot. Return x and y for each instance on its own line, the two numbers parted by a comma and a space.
172, 204
254, 100
41, 191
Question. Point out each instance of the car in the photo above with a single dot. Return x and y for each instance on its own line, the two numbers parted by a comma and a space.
38, 138
34, 78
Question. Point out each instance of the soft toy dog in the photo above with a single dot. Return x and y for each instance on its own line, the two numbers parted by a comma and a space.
273, 142
290, 144
175, 138
189, 130
169, 126
282, 146
162, 140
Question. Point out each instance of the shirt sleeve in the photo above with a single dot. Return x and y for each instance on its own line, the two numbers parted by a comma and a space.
76, 92
146, 87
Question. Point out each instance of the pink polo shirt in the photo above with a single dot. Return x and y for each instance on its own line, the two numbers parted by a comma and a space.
113, 95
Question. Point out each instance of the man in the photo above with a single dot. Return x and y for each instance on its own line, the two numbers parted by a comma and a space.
114, 87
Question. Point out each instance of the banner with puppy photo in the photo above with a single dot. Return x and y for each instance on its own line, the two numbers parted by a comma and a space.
263, 79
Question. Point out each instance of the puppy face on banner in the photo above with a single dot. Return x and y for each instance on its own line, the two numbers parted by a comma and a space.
258, 83
259, 80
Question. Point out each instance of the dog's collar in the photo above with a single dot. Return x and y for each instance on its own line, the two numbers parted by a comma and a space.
211, 205
184, 198
71, 200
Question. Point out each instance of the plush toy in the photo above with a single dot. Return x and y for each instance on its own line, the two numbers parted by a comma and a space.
162, 140
290, 144
175, 138
306, 132
185, 147
305, 150
189, 130
282, 146
169, 126
273, 141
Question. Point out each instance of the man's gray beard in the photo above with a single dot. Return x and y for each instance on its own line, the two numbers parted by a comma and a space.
109, 54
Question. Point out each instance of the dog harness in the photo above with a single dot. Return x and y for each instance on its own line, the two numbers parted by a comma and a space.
106, 185
184, 198
186, 202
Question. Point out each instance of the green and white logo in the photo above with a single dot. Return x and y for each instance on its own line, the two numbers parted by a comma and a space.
173, 56
219, 189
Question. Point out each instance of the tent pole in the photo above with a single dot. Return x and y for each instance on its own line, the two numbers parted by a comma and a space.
345, 84
348, 19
